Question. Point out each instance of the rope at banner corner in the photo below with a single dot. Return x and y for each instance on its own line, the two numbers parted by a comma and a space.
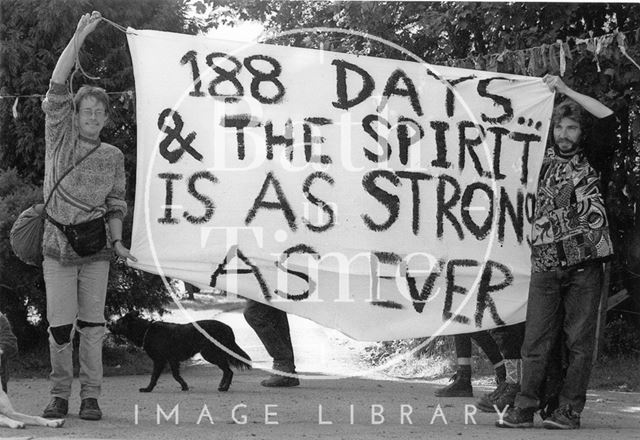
77, 67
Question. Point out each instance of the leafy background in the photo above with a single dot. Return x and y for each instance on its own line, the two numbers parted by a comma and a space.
504, 37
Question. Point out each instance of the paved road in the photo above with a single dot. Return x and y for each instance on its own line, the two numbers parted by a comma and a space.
349, 408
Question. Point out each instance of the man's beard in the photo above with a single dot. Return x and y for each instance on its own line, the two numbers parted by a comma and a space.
567, 152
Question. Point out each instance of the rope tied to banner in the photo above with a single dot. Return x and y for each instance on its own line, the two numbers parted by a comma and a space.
78, 65
117, 26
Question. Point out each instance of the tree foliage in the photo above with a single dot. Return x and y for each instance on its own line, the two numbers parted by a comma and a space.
33, 34
21, 286
469, 34
437, 31
22, 296
452, 32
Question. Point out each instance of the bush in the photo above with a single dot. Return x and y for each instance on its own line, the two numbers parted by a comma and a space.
22, 287
437, 358
434, 359
621, 338
430, 357
130, 289
383, 352
119, 358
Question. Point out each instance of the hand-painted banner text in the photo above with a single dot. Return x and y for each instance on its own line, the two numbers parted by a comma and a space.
387, 199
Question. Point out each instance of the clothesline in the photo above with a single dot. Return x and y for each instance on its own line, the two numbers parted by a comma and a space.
550, 57
594, 44
577, 40
127, 93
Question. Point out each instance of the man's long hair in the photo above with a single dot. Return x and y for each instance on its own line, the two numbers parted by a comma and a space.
572, 110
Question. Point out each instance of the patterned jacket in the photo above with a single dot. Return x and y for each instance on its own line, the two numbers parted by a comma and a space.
570, 223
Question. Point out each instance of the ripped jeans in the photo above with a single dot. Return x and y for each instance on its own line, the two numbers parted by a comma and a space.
75, 303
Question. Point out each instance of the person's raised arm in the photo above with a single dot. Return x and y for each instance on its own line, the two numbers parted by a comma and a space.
65, 63
593, 106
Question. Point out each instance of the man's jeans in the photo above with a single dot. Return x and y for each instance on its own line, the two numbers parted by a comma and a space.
272, 327
560, 301
75, 301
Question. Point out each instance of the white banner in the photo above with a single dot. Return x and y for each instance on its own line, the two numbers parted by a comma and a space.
386, 199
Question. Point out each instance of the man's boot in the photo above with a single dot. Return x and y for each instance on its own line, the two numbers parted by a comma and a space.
500, 398
278, 380
461, 385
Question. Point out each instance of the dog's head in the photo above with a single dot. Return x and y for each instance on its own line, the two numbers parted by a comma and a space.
131, 326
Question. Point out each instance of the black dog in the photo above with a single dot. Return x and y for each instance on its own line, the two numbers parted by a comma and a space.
167, 342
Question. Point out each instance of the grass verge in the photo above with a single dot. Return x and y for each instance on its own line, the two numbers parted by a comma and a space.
610, 372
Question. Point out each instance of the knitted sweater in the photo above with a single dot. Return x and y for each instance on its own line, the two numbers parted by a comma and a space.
95, 188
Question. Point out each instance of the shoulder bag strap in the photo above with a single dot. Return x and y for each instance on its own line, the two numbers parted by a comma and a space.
53, 190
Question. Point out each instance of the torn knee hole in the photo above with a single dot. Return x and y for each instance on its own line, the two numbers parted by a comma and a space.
62, 333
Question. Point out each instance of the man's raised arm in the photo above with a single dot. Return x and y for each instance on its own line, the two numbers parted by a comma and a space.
86, 25
593, 106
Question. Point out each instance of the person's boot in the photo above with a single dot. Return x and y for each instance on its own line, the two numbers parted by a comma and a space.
486, 402
503, 396
89, 409
564, 417
56, 409
276, 380
548, 406
460, 386
517, 418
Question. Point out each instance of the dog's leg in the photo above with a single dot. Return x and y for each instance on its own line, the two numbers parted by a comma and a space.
158, 366
9, 417
175, 370
218, 357
35, 420
227, 377
10, 423
5, 409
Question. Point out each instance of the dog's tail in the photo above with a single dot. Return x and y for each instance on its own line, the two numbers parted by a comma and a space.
234, 361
